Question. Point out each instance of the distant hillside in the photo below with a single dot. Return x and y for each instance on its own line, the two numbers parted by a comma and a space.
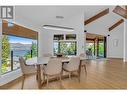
20, 46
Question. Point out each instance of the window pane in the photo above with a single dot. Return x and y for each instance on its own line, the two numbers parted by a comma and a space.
101, 49
58, 37
55, 48
71, 37
67, 48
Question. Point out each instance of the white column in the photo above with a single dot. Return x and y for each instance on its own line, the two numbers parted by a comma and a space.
125, 41
0, 44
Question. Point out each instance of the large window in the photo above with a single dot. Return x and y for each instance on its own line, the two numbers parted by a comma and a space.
12, 48
64, 47
65, 44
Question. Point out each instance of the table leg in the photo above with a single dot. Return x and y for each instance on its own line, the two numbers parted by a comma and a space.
80, 65
39, 76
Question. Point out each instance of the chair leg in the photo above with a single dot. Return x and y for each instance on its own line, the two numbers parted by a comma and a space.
23, 79
43, 77
60, 78
78, 76
85, 69
70, 75
47, 80
36, 76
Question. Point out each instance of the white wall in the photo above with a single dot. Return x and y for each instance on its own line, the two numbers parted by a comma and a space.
116, 34
46, 36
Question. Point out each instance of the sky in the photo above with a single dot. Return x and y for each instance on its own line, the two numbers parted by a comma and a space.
13, 39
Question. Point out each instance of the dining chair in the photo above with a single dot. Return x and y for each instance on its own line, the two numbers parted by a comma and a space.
72, 66
53, 68
83, 63
26, 69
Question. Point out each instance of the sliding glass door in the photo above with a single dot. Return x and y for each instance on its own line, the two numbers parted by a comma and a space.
97, 46
101, 48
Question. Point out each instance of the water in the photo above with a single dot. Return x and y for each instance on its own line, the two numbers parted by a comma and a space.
20, 53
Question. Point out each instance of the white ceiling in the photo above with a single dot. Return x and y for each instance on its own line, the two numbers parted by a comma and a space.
40, 15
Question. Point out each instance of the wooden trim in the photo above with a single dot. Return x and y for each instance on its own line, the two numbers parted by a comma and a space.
102, 13
116, 24
18, 30
120, 11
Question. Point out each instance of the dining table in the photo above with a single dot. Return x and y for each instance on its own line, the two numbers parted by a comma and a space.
39, 61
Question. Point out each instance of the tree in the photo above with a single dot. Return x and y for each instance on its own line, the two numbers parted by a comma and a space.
5, 50
34, 51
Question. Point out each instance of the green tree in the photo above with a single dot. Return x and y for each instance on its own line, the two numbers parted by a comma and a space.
34, 51
67, 48
5, 51
63, 48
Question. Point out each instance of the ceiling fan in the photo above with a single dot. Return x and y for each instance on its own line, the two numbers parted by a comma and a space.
121, 11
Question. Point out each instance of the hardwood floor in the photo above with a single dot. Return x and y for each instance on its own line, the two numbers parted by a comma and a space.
101, 74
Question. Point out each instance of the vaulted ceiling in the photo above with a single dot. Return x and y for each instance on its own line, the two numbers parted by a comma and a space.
39, 15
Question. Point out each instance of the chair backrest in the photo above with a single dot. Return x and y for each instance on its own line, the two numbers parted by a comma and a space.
74, 63
22, 64
54, 66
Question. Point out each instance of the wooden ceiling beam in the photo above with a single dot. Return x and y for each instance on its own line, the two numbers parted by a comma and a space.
97, 16
18, 30
120, 11
116, 24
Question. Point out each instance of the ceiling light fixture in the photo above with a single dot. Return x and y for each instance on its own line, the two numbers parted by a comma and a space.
52, 27
59, 17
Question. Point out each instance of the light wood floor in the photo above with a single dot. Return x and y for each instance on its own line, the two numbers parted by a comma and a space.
102, 74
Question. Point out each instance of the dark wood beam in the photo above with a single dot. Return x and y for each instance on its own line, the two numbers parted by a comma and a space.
116, 24
18, 30
120, 11
97, 16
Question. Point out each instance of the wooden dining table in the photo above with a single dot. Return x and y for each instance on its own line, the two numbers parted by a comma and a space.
38, 61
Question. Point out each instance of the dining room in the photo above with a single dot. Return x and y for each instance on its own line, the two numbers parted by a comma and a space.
48, 50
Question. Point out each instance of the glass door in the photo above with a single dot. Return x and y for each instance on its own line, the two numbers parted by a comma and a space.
101, 49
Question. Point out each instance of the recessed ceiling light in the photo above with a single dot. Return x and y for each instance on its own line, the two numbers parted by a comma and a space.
52, 27
59, 17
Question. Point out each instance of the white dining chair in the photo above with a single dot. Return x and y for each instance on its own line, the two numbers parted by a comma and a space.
53, 68
72, 66
26, 69
83, 63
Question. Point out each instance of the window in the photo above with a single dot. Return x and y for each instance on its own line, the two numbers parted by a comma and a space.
71, 37
58, 37
65, 47
12, 48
